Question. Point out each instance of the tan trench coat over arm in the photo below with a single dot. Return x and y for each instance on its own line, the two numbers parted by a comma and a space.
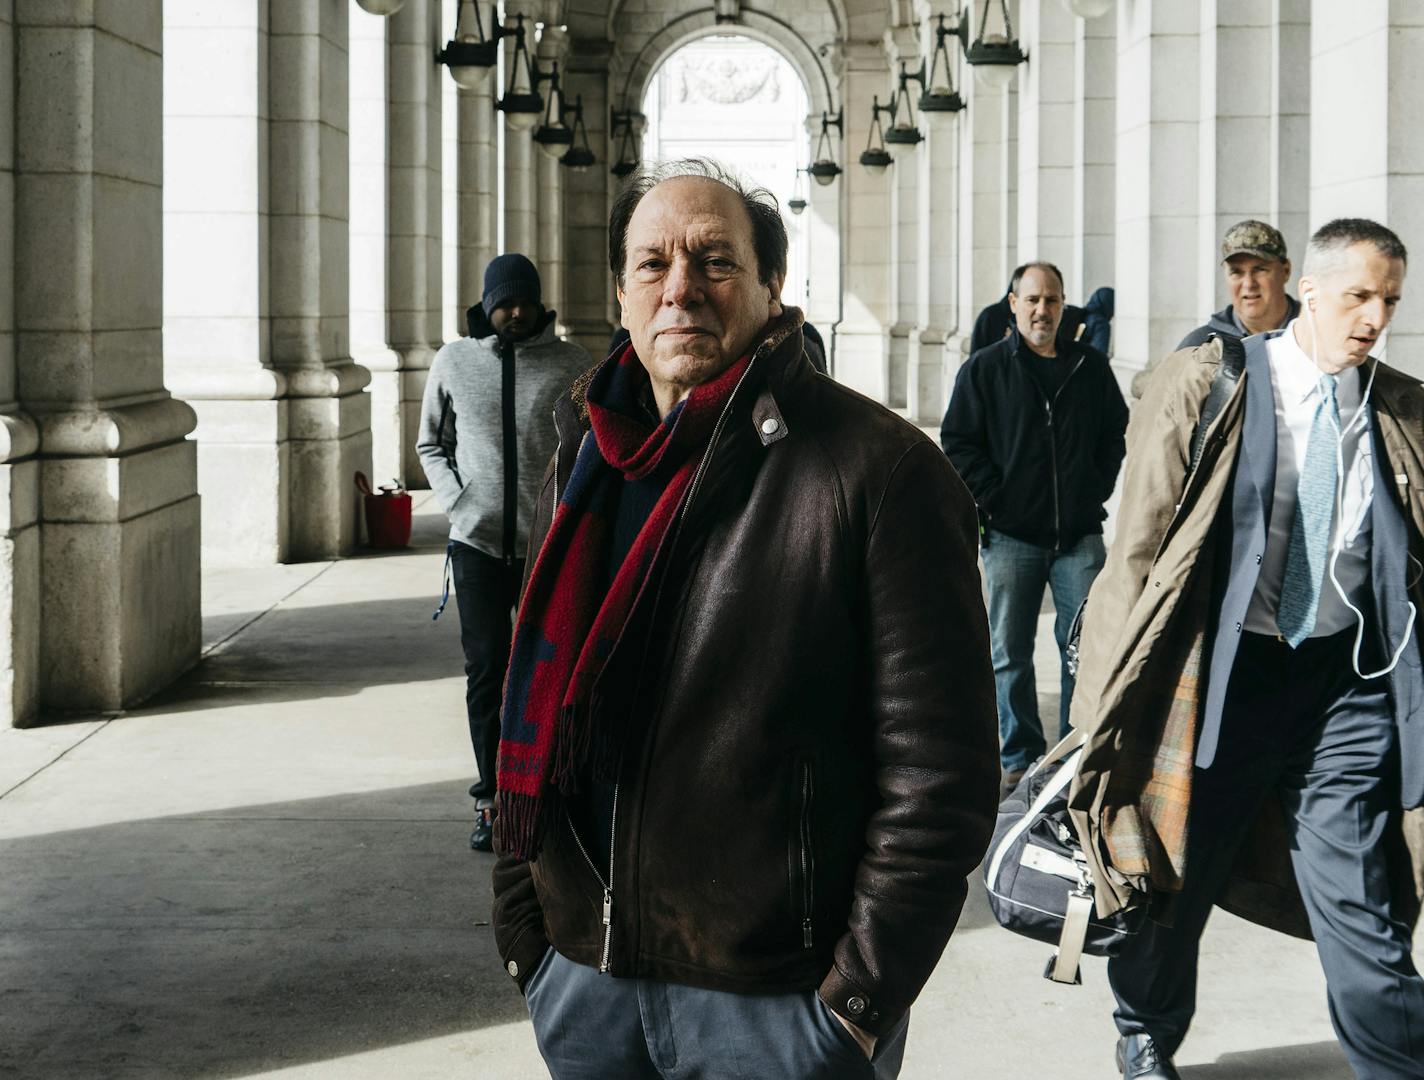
1145, 637
1137, 695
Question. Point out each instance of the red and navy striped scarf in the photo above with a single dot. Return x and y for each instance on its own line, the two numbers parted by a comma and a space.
552, 735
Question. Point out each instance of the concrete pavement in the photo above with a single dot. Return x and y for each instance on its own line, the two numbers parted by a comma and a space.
264, 873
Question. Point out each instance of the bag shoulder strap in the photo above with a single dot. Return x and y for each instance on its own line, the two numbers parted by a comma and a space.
1223, 385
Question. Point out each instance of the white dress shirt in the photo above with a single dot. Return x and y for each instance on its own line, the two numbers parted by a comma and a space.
1294, 384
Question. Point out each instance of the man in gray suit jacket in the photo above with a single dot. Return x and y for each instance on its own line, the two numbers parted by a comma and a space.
1313, 688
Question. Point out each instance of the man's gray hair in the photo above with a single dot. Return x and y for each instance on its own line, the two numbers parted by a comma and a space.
768, 230
1332, 240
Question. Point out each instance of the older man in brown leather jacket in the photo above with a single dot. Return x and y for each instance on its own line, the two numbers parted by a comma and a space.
749, 750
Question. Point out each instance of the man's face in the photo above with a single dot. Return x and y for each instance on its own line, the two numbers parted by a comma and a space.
690, 295
1257, 287
1038, 308
1351, 303
516, 319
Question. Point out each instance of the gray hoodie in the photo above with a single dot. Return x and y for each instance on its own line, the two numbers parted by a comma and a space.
1226, 322
461, 439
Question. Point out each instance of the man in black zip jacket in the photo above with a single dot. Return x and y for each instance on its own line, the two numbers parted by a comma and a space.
1036, 428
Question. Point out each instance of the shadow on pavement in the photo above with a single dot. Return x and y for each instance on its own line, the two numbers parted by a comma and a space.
223, 944
1308, 1061
298, 653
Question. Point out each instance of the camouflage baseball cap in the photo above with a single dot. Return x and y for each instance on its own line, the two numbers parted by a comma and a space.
1253, 238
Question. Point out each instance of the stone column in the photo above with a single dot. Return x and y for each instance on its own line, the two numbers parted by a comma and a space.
1047, 136
216, 313
521, 227
1236, 135
308, 271
985, 257
1159, 172
119, 532
901, 43
478, 186
1366, 142
550, 173
413, 261
1094, 155
370, 120
862, 340
588, 285
823, 234
936, 314
19, 471
1290, 132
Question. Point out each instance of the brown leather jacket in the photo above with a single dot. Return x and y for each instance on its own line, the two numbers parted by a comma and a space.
818, 766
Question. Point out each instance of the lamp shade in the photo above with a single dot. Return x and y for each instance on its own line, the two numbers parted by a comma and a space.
796, 204
994, 76
522, 110
554, 139
877, 160
903, 135
380, 7
824, 171
935, 101
579, 158
469, 76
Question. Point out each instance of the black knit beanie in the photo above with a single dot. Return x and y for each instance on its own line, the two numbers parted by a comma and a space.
508, 277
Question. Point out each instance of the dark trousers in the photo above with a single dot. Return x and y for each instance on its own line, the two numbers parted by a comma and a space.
486, 592
595, 1027
1300, 726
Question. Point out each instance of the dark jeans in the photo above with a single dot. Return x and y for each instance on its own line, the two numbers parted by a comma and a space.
486, 592
595, 1027
1301, 726
1016, 573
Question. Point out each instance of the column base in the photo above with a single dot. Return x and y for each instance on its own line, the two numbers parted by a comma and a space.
593, 334
330, 441
20, 602
120, 590
927, 386
395, 418
862, 361
244, 472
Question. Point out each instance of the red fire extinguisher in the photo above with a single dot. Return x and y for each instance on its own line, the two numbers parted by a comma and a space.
387, 513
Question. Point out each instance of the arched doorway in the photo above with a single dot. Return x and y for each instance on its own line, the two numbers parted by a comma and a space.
740, 102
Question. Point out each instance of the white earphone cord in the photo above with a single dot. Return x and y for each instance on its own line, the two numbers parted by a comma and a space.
1338, 541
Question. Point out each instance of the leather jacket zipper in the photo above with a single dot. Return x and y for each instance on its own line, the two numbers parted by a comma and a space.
606, 883
808, 857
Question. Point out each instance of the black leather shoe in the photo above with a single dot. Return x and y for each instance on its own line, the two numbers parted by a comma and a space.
1139, 1059
482, 839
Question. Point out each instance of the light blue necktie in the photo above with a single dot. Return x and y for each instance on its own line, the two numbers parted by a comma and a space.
1310, 531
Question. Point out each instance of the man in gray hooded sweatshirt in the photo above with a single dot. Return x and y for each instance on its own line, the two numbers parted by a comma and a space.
486, 436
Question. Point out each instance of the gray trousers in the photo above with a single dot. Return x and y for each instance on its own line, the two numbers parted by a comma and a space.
595, 1027
1301, 726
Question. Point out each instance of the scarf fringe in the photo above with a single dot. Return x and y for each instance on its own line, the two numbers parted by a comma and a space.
520, 825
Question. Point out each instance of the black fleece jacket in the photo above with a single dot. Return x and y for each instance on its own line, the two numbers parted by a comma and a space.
1040, 468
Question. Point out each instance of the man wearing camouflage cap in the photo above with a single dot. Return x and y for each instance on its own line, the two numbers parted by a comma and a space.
1253, 257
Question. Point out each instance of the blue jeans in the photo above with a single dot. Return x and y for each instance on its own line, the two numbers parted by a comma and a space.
1016, 573
595, 1027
